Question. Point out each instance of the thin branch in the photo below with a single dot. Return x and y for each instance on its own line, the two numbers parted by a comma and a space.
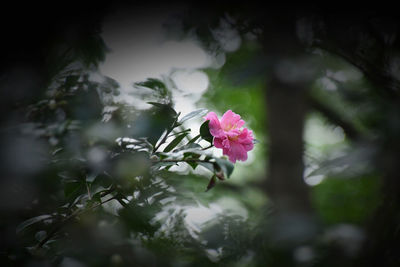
184, 131
210, 146
334, 118
169, 130
88, 191
66, 220
184, 160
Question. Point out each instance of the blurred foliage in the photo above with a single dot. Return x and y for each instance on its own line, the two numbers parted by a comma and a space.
89, 181
359, 195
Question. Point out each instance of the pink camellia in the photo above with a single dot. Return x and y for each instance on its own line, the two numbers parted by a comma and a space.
229, 135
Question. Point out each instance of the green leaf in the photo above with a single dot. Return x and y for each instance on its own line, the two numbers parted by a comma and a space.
31, 221
175, 142
205, 132
91, 177
138, 218
193, 114
207, 165
191, 155
158, 165
71, 81
73, 188
39, 236
194, 139
165, 107
225, 165
190, 147
192, 164
154, 84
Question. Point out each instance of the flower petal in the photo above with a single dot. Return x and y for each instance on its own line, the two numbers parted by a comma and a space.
237, 152
231, 120
226, 143
246, 139
218, 142
214, 125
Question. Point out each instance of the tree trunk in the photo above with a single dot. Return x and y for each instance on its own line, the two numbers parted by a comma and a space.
292, 223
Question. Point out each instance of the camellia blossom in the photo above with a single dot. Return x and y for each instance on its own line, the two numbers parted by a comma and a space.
229, 135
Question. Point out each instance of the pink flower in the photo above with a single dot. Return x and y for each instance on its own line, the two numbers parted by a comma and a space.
228, 135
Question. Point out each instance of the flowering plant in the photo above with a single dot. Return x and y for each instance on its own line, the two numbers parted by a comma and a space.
126, 158
228, 135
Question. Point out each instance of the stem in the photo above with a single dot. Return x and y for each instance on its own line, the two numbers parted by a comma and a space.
67, 219
184, 131
169, 130
210, 146
184, 160
349, 129
162, 141
88, 191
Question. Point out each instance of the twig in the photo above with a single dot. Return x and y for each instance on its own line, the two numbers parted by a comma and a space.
184, 160
88, 191
210, 146
66, 220
169, 130
334, 118
184, 131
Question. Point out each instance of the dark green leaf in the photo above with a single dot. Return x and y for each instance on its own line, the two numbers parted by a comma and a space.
91, 177
194, 139
73, 188
205, 132
71, 81
163, 164
164, 107
226, 166
138, 218
154, 84
192, 155
31, 221
39, 236
192, 164
175, 142
193, 114
189, 147
207, 165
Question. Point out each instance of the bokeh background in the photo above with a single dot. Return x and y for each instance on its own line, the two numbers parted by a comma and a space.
319, 88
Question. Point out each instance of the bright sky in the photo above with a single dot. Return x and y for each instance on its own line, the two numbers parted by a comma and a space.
139, 50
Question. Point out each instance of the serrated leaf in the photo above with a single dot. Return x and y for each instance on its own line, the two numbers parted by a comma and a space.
31, 221
205, 132
193, 114
225, 165
175, 142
